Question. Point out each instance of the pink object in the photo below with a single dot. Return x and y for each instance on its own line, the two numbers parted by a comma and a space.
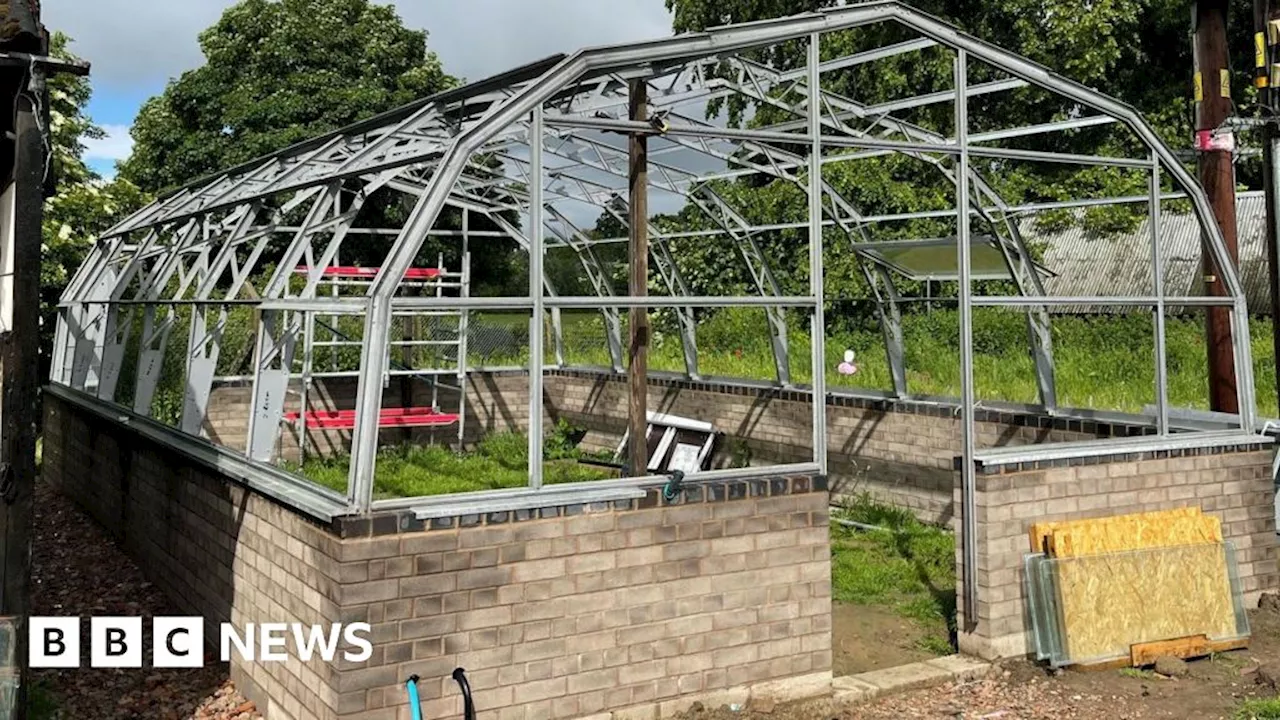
847, 367
345, 271
388, 417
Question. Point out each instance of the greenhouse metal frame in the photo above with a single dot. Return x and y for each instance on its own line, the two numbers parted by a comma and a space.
546, 125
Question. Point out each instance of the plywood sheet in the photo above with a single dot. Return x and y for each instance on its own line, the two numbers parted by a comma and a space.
1071, 538
1109, 602
1135, 532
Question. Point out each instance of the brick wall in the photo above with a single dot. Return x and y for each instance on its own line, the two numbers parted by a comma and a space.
594, 610
902, 453
1235, 486
216, 549
632, 609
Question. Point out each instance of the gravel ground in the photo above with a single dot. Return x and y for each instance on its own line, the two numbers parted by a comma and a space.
77, 570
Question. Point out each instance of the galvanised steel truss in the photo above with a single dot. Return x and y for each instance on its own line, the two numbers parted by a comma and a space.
542, 142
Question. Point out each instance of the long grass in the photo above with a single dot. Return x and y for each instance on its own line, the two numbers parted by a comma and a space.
499, 461
906, 566
1103, 363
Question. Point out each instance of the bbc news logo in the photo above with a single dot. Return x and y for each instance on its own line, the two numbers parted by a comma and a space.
178, 642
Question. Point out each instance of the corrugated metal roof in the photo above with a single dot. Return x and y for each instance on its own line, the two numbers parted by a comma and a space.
1085, 263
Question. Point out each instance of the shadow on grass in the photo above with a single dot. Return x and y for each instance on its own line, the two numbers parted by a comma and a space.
903, 564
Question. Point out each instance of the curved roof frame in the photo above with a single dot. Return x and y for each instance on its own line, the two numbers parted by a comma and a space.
489, 147
591, 63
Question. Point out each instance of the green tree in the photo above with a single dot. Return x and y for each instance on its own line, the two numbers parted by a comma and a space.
1136, 50
84, 204
278, 72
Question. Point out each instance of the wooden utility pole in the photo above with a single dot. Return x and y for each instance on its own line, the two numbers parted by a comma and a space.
1266, 51
1217, 175
638, 349
24, 178
19, 377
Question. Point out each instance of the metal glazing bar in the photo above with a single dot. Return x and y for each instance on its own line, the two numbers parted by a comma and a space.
1049, 127
1157, 276
279, 282
712, 132
1118, 301
969, 520
538, 321
597, 276
671, 276
818, 326
1245, 390
1054, 157
658, 301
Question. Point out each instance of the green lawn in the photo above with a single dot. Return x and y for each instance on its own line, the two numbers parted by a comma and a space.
908, 567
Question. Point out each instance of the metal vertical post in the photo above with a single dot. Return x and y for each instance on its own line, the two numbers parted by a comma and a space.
308, 361
969, 525
410, 360
364, 438
464, 327
1157, 274
333, 320
818, 331
537, 322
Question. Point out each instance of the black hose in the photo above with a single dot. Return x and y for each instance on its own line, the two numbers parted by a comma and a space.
468, 707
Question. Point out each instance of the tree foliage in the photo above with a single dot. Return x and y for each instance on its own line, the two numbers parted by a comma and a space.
1136, 50
278, 72
84, 204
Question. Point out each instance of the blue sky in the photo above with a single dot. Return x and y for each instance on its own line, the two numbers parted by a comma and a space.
136, 46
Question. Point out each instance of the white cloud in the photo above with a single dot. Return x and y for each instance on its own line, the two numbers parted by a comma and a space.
138, 46
114, 147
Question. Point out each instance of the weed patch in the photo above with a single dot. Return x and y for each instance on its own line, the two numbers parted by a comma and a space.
499, 461
907, 566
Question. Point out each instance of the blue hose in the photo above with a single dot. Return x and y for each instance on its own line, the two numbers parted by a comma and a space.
415, 705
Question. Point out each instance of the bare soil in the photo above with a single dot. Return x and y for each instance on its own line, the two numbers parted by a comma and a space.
869, 637
1021, 690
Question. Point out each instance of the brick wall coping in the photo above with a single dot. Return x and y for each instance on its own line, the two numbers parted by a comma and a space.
709, 491
1072, 419
1112, 450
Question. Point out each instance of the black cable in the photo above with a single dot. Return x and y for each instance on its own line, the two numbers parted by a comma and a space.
468, 707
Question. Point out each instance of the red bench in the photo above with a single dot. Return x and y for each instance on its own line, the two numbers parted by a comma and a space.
369, 273
387, 418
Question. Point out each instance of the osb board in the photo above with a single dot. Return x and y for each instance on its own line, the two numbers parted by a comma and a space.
1118, 533
1110, 602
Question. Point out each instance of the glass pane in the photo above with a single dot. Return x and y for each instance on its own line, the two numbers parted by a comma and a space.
1093, 608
